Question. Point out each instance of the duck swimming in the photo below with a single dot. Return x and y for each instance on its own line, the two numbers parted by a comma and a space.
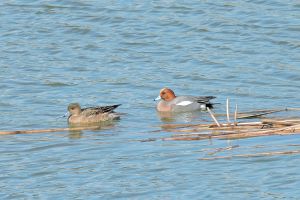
80, 115
169, 102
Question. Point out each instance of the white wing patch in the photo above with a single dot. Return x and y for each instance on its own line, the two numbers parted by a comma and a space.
184, 103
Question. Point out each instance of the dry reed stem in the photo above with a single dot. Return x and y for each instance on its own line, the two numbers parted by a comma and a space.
235, 114
235, 135
293, 109
285, 122
243, 116
48, 130
259, 112
174, 126
215, 131
227, 111
213, 117
261, 154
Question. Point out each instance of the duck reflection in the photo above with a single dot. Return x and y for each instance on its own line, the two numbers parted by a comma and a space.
76, 130
186, 117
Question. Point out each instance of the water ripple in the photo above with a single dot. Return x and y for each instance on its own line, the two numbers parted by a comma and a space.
96, 53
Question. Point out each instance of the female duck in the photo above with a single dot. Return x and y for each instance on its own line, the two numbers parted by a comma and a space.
80, 115
169, 102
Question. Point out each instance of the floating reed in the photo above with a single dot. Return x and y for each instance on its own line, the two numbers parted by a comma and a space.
48, 130
235, 130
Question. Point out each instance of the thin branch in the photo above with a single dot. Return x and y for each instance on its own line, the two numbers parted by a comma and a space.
235, 114
48, 130
259, 114
213, 117
227, 111
240, 134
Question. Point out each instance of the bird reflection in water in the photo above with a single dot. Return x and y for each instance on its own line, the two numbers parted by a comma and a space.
185, 117
77, 130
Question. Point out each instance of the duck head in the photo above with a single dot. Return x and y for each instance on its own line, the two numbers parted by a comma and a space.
74, 109
166, 94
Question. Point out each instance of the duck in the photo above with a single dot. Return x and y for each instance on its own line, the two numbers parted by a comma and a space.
78, 115
169, 102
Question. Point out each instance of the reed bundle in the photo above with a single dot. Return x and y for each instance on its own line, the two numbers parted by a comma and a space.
236, 130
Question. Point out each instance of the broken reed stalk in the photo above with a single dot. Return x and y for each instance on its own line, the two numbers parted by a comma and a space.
257, 113
285, 122
213, 117
278, 131
240, 134
215, 130
292, 109
48, 130
227, 111
170, 127
235, 114
261, 154
260, 114
236, 130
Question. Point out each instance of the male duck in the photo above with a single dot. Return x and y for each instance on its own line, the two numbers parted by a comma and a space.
80, 115
169, 102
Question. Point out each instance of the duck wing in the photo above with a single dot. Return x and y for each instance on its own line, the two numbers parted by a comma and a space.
98, 110
204, 99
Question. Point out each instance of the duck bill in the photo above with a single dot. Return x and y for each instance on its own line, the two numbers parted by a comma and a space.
157, 98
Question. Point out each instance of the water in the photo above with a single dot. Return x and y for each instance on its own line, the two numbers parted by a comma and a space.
99, 53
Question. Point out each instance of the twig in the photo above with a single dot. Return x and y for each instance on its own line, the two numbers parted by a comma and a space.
213, 117
48, 130
259, 114
227, 111
240, 134
274, 153
215, 130
235, 114
277, 131
293, 109
199, 127
283, 122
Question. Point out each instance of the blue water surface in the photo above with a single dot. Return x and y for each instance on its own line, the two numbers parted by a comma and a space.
123, 52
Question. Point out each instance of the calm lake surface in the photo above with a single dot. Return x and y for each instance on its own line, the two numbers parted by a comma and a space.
53, 53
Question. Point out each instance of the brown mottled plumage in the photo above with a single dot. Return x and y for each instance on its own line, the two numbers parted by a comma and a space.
80, 115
